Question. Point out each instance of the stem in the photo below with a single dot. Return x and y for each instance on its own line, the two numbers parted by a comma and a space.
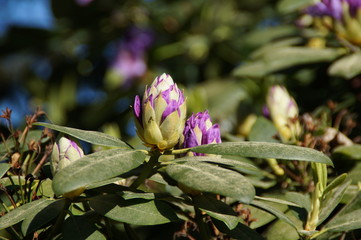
146, 171
203, 229
177, 152
60, 219
21, 191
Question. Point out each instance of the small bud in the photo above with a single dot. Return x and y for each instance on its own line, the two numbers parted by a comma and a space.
160, 115
284, 113
199, 130
64, 153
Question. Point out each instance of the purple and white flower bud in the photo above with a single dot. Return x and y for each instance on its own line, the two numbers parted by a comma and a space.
199, 130
64, 153
160, 115
283, 112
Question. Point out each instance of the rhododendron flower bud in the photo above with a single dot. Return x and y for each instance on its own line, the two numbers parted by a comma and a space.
160, 115
64, 153
199, 130
283, 112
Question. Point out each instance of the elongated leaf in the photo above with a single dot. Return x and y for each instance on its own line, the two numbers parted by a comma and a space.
263, 130
134, 211
347, 67
300, 199
335, 183
4, 167
218, 160
96, 167
275, 212
217, 209
264, 150
277, 200
93, 137
213, 179
353, 205
240, 232
285, 57
36, 220
280, 230
352, 152
331, 199
346, 222
19, 214
79, 227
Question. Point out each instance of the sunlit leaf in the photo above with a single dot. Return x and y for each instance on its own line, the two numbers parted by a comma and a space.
347, 66
97, 138
265, 150
20, 213
274, 211
345, 222
96, 167
213, 179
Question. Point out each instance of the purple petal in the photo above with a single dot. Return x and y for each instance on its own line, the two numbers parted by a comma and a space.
213, 134
137, 109
190, 139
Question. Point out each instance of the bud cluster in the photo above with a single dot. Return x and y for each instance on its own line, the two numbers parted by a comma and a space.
161, 118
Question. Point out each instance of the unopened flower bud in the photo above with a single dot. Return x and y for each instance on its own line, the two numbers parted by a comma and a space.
64, 153
160, 115
283, 112
199, 130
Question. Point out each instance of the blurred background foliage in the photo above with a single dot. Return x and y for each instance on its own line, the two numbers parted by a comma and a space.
83, 61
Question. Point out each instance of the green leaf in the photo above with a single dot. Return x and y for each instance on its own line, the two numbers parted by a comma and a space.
217, 160
283, 58
335, 183
277, 200
79, 227
213, 179
96, 167
352, 152
20, 213
347, 66
289, 6
280, 230
134, 211
126, 195
240, 232
4, 167
217, 209
275, 212
263, 130
353, 205
264, 150
300, 199
35, 220
97, 138
346, 222
330, 200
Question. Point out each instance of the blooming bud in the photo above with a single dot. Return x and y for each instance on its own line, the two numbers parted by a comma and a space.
199, 130
64, 153
160, 115
283, 112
